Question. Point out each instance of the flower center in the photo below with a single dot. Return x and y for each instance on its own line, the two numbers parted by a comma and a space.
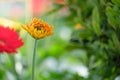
38, 28
2, 42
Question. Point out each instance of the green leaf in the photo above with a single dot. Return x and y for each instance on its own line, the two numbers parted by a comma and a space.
115, 41
96, 21
2, 74
113, 16
116, 2
85, 34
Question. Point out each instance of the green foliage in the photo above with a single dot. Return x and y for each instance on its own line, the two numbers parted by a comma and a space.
113, 16
99, 37
2, 73
96, 21
116, 2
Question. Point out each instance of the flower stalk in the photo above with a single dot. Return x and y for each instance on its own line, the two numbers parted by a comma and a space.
33, 61
38, 29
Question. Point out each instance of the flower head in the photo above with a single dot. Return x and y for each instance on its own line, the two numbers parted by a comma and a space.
38, 29
9, 40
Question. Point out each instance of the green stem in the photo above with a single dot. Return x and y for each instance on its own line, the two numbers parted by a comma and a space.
33, 61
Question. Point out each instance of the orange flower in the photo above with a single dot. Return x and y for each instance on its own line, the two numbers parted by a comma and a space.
38, 29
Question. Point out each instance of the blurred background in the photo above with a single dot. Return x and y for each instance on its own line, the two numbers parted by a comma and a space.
85, 44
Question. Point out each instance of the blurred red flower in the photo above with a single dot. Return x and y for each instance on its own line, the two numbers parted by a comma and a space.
9, 40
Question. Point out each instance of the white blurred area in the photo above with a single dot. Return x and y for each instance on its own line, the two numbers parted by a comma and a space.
65, 33
51, 64
117, 78
13, 9
18, 65
20, 9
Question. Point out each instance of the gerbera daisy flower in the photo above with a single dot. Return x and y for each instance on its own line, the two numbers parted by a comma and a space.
9, 40
38, 28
